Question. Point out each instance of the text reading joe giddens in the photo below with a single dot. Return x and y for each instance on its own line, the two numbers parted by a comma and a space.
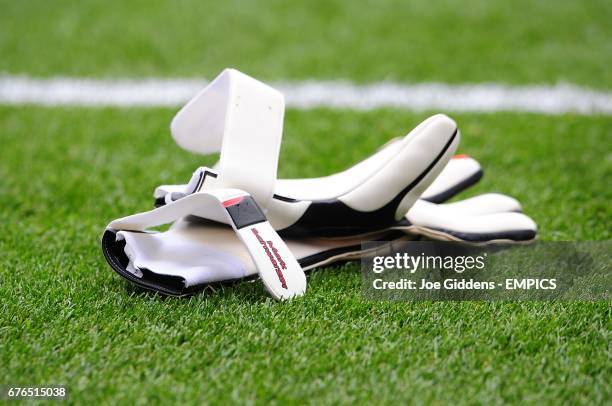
457, 264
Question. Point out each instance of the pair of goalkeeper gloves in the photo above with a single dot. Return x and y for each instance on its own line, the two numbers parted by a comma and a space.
237, 221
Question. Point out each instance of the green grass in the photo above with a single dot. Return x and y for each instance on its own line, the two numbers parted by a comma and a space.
521, 41
66, 318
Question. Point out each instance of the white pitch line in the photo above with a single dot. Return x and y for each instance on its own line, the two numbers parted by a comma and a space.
486, 97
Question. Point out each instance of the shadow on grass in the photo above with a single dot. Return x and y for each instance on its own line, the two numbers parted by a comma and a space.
245, 290
249, 290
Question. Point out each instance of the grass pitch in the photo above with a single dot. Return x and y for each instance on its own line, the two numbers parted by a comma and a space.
66, 318
519, 41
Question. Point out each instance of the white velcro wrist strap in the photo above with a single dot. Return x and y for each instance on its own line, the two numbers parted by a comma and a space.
279, 270
243, 119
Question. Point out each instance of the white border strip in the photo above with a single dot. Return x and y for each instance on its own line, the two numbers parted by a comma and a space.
558, 99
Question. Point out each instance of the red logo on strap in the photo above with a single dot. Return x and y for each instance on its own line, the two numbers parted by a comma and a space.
272, 257
233, 201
